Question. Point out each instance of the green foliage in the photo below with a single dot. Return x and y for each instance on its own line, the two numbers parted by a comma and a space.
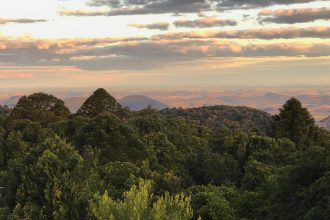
4, 111
220, 169
294, 122
3, 150
297, 183
46, 182
117, 177
220, 117
39, 107
163, 153
257, 174
212, 202
109, 163
139, 203
148, 121
111, 138
100, 101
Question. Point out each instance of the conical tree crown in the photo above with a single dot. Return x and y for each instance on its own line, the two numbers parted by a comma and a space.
100, 101
294, 122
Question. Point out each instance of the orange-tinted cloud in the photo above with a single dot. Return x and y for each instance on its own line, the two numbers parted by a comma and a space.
296, 15
13, 75
142, 53
82, 13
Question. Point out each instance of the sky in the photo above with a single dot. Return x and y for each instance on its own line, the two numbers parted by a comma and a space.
162, 43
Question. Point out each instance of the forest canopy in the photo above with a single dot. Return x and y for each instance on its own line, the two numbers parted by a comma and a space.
107, 162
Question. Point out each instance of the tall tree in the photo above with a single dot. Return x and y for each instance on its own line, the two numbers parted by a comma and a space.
294, 122
100, 101
40, 107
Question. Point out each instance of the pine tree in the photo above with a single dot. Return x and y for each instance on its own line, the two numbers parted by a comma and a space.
100, 101
294, 122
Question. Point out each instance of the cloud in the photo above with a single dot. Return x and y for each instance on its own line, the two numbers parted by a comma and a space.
43, 52
61, 45
154, 26
139, 7
142, 7
205, 22
10, 75
264, 33
232, 4
142, 54
154, 54
292, 16
82, 13
4, 21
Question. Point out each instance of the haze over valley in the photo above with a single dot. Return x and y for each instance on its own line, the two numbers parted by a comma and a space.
268, 99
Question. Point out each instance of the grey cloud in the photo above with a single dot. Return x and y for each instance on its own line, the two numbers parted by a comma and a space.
292, 16
264, 33
20, 21
136, 7
154, 26
141, 7
148, 54
29, 56
154, 55
205, 22
230, 4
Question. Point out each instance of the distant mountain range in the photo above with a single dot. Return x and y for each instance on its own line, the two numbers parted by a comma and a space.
74, 103
10, 101
318, 105
325, 123
139, 102
133, 102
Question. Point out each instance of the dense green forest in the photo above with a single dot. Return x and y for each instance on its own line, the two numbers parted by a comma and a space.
107, 162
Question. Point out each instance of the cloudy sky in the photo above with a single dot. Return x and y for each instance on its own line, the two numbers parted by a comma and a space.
89, 43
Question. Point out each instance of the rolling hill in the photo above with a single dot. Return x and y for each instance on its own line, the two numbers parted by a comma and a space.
221, 116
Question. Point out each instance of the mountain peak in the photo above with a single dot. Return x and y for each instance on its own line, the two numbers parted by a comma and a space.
139, 102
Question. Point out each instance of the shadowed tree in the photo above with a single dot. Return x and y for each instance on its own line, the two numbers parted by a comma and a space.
100, 101
294, 122
114, 139
39, 107
4, 111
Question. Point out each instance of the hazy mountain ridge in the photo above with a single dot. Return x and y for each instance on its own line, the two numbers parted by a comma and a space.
139, 102
318, 103
325, 123
10, 101
74, 103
